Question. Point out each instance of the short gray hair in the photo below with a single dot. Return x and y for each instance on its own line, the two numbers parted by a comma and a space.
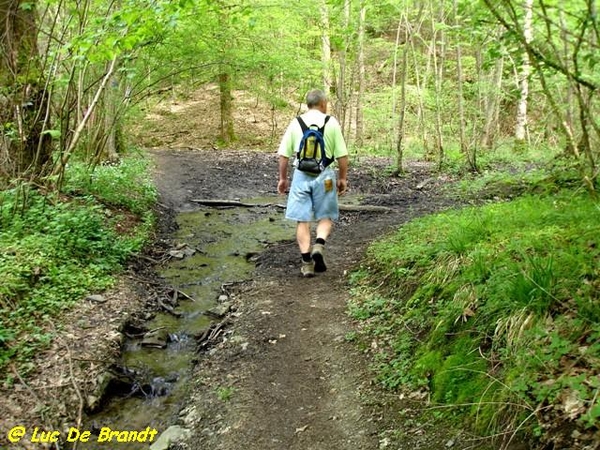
315, 97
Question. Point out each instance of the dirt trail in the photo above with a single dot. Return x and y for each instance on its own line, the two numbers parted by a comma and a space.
284, 376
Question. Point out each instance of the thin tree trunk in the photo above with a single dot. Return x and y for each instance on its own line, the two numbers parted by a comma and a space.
521, 120
438, 66
492, 108
64, 159
341, 91
569, 94
111, 120
419, 79
326, 48
226, 106
402, 106
361, 74
460, 99
395, 67
226, 129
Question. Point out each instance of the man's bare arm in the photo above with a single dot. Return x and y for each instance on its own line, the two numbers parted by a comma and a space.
342, 182
283, 184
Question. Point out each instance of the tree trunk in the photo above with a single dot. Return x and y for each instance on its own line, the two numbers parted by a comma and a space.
226, 103
361, 75
402, 105
438, 68
420, 80
24, 147
492, 104
326, 48
342, 95
521, 120
460, 101
112, 121
61, 163
570, 114
224, 78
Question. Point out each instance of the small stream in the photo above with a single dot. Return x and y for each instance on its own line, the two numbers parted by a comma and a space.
223, 242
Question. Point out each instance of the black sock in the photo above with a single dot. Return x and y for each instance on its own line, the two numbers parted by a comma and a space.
320, 241
306, 257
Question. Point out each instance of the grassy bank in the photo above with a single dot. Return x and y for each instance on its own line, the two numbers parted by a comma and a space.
495, 311
55, 249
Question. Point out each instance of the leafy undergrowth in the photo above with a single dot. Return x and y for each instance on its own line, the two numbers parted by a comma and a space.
495, 311
55, 249
501, 178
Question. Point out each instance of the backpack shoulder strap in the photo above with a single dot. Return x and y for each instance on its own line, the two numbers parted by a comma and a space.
327, 160
305, 127
302, 124
324, 123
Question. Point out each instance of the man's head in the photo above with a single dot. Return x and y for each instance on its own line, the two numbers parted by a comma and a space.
316, 99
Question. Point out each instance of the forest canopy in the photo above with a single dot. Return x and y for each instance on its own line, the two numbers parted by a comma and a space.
450, 80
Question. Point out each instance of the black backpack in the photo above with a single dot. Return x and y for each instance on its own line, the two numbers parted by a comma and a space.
311, 156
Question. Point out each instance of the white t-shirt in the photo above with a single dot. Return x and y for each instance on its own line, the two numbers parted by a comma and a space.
335, 146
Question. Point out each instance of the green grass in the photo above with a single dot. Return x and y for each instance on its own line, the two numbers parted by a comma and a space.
54, 249
494, 310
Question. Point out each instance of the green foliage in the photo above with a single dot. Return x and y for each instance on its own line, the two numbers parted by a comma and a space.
55, 249
505, 175
224, 393
125, 185
495, 310
238, 38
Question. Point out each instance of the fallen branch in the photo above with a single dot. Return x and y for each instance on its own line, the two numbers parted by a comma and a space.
211, 334
77, 391
238, 204
169, 309
185, 295
365, 208
214, 203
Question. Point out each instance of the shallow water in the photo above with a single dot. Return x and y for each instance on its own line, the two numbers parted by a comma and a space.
223, 240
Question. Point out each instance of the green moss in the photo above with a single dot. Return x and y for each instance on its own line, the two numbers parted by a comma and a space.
496, 299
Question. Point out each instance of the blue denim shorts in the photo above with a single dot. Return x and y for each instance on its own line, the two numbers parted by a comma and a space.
313, 197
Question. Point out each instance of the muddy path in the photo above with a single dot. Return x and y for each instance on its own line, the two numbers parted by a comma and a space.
282, 374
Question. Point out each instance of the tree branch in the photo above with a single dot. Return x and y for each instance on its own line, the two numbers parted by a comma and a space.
535, 52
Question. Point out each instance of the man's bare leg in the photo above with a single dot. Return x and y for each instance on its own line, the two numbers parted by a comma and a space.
324, 229
303, 236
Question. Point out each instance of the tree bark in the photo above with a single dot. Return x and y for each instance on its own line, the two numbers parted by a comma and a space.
112, 121
438, 69
326, 48
420, 80
342, 95
492, 104
24, 147
224, 78
61, 164
521, 120
460, 101
402, 106
226, 104
361, 75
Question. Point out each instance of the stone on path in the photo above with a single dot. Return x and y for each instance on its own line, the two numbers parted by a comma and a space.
170, 436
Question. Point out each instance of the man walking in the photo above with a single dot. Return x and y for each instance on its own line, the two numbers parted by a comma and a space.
313, 196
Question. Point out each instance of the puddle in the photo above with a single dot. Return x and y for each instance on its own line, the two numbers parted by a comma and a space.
223, 242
